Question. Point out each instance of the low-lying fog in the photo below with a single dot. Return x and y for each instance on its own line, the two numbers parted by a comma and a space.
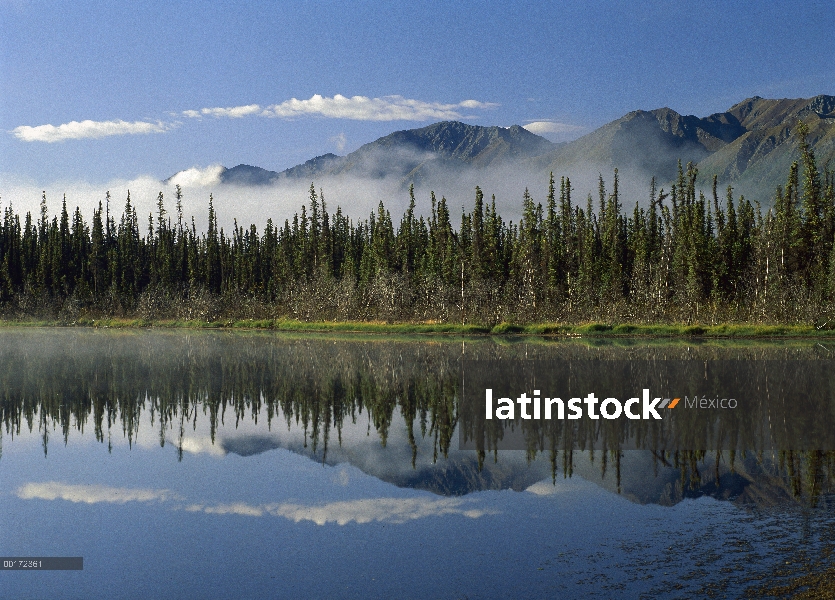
357, 196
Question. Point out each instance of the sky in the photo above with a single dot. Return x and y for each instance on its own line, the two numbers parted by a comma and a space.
97, 92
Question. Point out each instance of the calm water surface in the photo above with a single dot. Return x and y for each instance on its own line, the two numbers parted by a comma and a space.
255, 465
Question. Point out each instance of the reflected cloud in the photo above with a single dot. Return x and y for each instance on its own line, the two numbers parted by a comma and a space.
384, 510
544, 488
342, 478
199, 445
234, 508
92, 494
365, 510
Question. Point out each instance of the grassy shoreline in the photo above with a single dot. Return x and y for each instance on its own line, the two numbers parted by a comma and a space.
737, 330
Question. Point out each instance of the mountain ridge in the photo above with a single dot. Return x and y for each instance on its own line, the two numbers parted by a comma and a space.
750, 146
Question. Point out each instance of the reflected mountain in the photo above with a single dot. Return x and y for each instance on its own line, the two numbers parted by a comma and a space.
250, 445
643, 478
392, 407
456, 475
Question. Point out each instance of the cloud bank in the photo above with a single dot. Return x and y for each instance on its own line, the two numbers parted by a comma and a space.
80, 130
357, 195
357, 108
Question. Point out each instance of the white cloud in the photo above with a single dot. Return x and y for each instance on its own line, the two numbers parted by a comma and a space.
80, 130
91, 494
197, 177
339, 141
540, 127
235, 112
358, 108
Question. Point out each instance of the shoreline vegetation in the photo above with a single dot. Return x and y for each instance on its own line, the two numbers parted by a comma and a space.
557, 330
680, 263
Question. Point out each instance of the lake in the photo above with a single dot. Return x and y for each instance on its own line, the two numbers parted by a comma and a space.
191, 464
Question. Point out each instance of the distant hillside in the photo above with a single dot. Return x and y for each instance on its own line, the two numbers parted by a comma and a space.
411, 154
646, 141
750, 146
758, 160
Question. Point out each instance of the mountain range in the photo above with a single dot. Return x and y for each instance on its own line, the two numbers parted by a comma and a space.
412, 155
750, 146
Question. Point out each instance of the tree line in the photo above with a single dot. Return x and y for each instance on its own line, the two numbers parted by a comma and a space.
680, 255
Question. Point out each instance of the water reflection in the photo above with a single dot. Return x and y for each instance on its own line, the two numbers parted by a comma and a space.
340, 400
243, 459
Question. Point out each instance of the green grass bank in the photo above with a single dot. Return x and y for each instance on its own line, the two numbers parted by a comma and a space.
736, 330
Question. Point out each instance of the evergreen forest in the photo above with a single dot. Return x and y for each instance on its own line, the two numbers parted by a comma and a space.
680, 255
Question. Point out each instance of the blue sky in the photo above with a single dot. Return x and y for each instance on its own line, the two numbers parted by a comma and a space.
129, 82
